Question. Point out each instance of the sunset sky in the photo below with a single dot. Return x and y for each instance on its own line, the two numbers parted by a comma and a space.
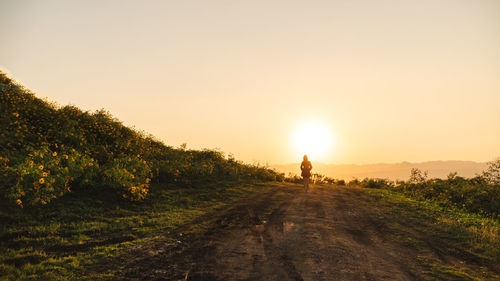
387, 81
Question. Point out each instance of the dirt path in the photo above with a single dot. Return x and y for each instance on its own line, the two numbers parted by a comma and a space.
283, 234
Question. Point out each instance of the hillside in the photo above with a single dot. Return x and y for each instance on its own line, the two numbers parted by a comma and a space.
396, 171
47, 151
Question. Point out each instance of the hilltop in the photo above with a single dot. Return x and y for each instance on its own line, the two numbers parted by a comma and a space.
392, 171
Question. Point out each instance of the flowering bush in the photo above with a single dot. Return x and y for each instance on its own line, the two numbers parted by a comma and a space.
46, 150
129, 175
7, 176
45, 175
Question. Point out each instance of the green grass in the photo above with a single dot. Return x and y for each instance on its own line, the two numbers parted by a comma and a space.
75, 236
470, 241
66, 238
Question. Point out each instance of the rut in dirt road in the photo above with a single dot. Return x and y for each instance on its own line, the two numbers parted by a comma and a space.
322, 235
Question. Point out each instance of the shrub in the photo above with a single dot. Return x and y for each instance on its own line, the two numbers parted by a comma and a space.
417, 176
7, 177
98, 147
46, 174
477, 195
492, 173
354, 182
376, 183
293, 178
130, 176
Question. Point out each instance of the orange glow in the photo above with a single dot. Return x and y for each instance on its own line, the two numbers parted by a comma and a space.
314, 139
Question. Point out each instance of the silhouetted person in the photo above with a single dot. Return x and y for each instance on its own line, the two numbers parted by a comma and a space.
306, 168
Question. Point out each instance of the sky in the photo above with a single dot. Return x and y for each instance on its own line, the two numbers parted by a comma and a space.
389, 80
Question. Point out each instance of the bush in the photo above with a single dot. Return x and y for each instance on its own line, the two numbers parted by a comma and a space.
293, 178
376, 183
492, 173
130, 176
45, 175
354, 182
35, 133
475, 195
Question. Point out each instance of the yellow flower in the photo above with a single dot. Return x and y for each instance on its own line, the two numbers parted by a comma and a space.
31, 163
45, 174
41, 181
66, 156
40, 167
54, 154
15, 114
19, 202
90, 164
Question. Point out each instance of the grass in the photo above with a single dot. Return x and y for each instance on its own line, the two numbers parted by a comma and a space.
73, 237
442, 235
77, 232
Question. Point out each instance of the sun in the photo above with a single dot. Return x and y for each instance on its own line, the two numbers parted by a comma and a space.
314, 139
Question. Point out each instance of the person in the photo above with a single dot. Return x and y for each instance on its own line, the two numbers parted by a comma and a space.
306, 168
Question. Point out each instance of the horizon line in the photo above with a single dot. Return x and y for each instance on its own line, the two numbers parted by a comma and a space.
388, 163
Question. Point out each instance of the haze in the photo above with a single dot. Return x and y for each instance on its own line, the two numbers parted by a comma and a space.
393, 80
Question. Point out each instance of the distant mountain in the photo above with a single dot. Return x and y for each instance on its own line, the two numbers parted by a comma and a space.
395, 171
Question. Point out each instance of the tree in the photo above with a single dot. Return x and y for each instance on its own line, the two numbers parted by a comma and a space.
417, 176
492, 173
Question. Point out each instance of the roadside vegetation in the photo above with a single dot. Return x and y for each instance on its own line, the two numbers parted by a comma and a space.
47, 151
478, 195
76, 186
452, 244
68, 238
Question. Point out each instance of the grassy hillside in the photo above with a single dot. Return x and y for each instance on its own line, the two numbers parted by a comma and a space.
47, 151
76, 186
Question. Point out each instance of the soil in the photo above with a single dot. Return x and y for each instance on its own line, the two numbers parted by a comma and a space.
283, 233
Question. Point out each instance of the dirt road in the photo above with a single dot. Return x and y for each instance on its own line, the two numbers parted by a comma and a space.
285, 234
